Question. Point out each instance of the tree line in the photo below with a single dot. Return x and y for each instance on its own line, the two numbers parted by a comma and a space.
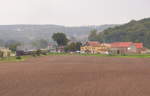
134, 31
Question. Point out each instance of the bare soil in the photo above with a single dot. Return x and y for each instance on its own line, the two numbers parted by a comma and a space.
76, 76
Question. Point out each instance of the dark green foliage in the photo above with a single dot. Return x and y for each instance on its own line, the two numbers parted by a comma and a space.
41, 52
73, 47
18, 57
38, 52
134, 31
60, 38
34, 55
44, 53
70, 47
78, 45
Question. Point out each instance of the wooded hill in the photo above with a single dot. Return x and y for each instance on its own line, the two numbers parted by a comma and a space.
135, 31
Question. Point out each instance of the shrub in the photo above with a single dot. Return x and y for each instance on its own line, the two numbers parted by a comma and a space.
44, 53
18, 57
34, 55
38, 52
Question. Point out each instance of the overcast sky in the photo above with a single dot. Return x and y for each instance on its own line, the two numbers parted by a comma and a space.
72, 12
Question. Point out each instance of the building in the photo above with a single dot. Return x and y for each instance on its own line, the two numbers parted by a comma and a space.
144, 51
140, 48
113, 48
5, 52
126, 48
104, 48
95, 47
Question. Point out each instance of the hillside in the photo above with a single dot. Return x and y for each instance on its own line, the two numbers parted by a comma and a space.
135, 31
30, 32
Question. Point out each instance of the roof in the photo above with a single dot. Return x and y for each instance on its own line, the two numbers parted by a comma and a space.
93, 43
138, 45
106, 44
121, 44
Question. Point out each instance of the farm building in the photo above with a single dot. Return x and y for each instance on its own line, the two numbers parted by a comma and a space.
95, 47
5, 52
114, 48
140, 48
126, 48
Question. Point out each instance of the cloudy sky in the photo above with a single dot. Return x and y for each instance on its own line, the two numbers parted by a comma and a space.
72, 12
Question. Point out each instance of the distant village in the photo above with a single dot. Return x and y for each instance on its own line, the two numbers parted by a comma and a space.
89, 47
63, 45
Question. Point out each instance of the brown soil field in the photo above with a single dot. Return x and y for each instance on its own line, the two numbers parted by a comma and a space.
76, 76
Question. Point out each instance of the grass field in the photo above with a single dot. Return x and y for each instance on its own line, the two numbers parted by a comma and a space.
131, 55
12, 59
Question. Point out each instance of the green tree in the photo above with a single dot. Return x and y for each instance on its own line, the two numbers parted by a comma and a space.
78, 45
60, 38
73, 47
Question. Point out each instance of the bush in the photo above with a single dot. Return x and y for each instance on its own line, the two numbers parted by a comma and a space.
18, 57
44, 53
38, 52
34, 55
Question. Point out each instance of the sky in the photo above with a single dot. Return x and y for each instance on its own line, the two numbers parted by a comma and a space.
72, 12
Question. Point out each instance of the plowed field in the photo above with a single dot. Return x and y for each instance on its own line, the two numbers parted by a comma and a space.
76, 76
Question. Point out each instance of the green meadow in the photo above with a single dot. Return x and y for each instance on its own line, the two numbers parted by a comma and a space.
22, 58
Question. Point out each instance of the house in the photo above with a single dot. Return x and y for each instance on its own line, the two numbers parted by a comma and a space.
140, 47
95, 47
144, 51
104, 48
90, 47
126, 48
60, 49
5, 52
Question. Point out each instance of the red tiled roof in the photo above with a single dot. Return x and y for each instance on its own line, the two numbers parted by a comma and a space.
121, 44
93, 43
138, 45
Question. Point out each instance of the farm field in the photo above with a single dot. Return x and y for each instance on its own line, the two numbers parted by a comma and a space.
76, 76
